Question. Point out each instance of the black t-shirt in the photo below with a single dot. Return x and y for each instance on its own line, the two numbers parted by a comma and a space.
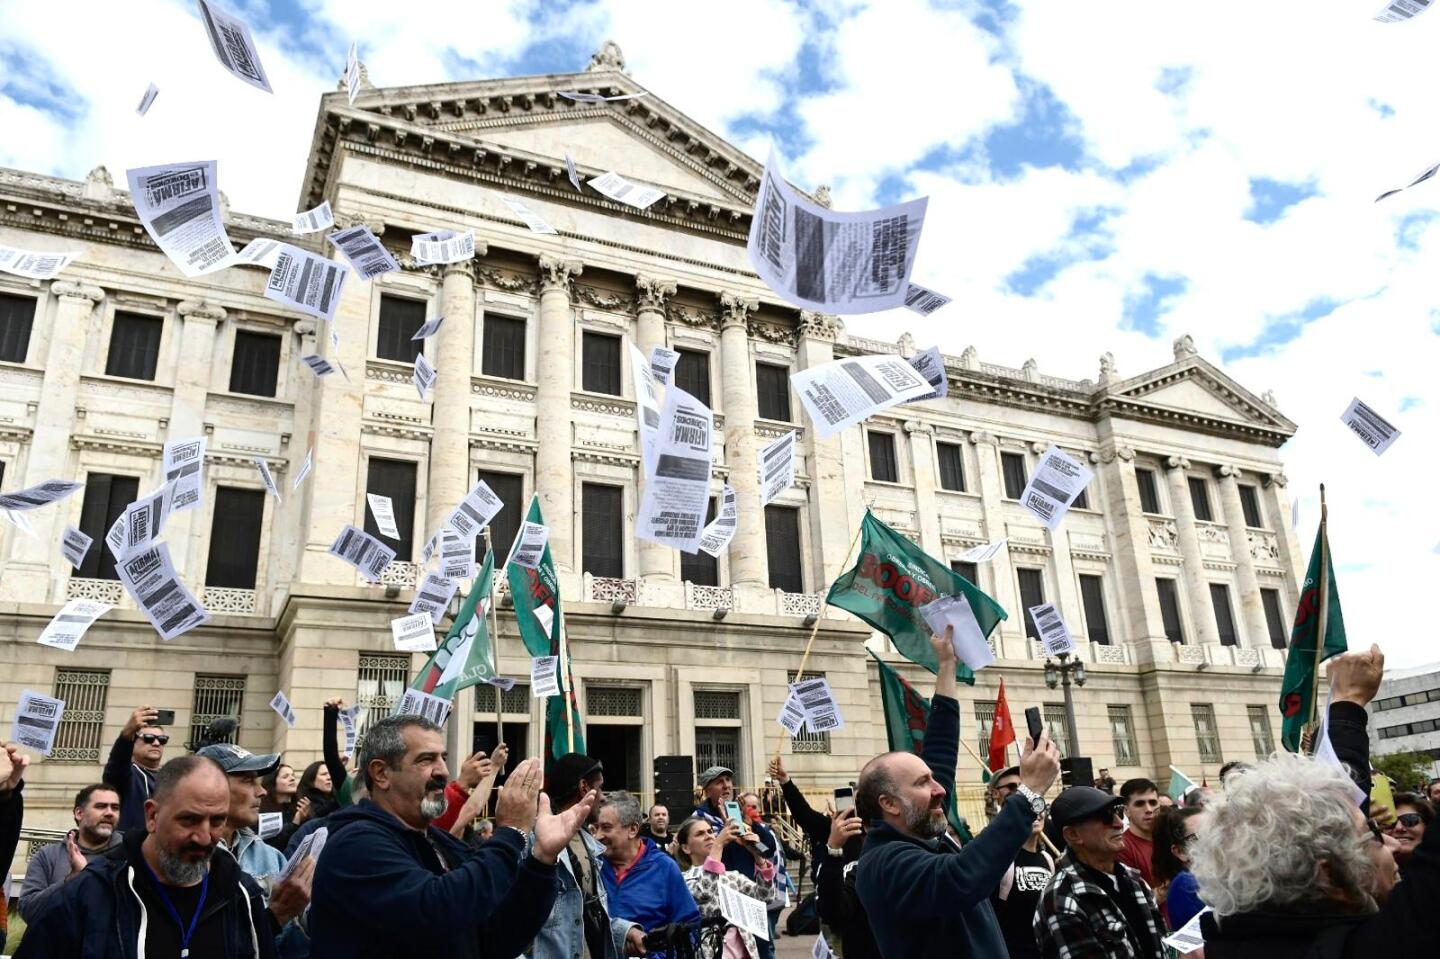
1016, 912
162, 936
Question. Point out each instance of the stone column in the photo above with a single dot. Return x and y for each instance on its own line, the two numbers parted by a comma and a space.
922, 460
1140, 618
833, 524
992, 496
35, 564
1197, 589
748, 566
554, 475
1252, 613
452, 353
658, 563
199, 319
1292, 556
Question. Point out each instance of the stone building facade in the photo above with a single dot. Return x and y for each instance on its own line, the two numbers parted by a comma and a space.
1166, 572
1405, 714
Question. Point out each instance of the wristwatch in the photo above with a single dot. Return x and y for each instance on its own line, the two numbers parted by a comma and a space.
833, 852
1036, 801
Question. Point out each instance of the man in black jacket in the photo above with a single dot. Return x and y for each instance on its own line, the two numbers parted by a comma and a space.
162, 892
134, 759
926, 898
12, 812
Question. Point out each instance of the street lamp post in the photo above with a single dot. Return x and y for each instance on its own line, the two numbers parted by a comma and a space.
1059, 675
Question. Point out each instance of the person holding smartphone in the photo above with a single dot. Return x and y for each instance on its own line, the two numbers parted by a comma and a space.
137, 755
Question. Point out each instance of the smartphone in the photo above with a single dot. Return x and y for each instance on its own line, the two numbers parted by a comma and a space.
164, 717
733, 813
844, 798
1032, 722
1380, 792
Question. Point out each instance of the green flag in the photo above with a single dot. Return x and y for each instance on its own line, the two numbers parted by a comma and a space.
907, 713
466, 657
1297, 691
542, 629
889, 583
1180, 784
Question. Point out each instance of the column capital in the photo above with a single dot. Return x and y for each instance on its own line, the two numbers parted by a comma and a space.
304, 328
344, 221
201, 310
1117, 452
465, 268
819, 326
735, 310
1275, 479
1227, 471
1176, 463
77, 290
652, 292
557, 273
914, 427
978, 437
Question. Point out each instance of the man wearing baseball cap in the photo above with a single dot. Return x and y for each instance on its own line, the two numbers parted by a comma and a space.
1094, 904
718, 785
263, 863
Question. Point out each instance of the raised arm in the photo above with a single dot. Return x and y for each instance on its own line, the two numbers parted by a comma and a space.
119, 768
331, 744
815, 825
1355, 677
941, 749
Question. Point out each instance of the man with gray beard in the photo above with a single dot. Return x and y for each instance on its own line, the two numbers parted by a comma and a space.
162, 893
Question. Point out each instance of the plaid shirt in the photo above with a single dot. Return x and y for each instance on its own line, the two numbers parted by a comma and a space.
1080, 917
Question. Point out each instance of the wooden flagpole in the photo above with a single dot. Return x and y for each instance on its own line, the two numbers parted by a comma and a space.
494, 642
1321, 621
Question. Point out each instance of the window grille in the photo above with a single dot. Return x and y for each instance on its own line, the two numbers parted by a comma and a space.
718, 746
613, 701
82, 726
807, 742
984, 720
1056, 726
216, 697
1122, 734
379, 687
1260, 731
1207, 737
717, 704
515, 700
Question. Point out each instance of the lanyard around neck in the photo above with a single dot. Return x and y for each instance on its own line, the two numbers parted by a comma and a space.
186, 933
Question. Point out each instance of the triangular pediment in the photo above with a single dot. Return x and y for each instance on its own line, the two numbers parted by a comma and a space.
1193, 387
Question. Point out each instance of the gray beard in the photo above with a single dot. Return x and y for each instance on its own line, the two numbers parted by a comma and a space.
177, 872
920, 822
432, 808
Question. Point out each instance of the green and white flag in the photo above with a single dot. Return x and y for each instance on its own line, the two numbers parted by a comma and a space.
1180, 784
1319, 599
467, 656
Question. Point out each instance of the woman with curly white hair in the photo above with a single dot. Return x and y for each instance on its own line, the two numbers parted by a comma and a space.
699, 849
1292, 868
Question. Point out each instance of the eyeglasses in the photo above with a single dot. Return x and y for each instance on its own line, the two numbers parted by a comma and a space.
1008, 788
1110, 816
1408, 819
153, 738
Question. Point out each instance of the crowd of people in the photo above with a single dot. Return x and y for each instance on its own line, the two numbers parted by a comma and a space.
1287, 857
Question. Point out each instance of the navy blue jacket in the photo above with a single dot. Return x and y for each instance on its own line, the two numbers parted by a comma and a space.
924, 897
380, 890
98, 915
133, 782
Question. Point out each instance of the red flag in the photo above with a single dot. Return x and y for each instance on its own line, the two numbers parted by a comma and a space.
1002, 732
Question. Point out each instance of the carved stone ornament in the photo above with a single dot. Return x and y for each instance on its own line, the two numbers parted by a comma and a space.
822, 195
604, 299
80, 291
1185, 347
771, 332
1276, 479
1113, 453
735, 310
304, 328
820, 326
970, 359
608, 57
1163, 534
692, 317
1227, 471
915, 426
1269, 399
984, 436
465, 268
557, 273
1176, 463
99, 186
201, 310
506, 280
652, 292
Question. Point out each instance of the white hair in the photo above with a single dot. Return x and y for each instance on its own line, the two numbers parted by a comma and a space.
1262, 841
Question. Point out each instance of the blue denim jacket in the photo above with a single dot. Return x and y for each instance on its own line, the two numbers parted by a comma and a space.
264, 863
563, 935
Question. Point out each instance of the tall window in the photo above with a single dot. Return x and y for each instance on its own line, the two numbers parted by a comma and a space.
772, 387
235, 537
614, 725
106, 497
255, 364
984, 722
1260, 733
1250, 506
882, 457
602, 515
400, 319
1122, 735
1092, 594
1200, 499
1274, 618
17, 318
1032, 593
970, 571
395, 479
1013, 466
1057, 727
600, 363
1082, 501
216, 697
515, 706
510, 487
1149, 492
692, 374
502, 347
952, 466
1207, 736
782, 548
1170, 609
84, 692
134, 346
808, 742
1224, 616
702, 569
379, 686
718, 721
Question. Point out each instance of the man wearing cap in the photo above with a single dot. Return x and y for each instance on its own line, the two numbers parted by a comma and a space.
925, 898
1096, 905
718, 785
260, 861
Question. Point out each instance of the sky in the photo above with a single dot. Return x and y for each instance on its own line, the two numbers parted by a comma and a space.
1102, 177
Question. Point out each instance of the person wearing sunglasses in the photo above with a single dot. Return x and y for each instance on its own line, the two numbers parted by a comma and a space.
1096, 905
1175, 830
136, 756
1413, 815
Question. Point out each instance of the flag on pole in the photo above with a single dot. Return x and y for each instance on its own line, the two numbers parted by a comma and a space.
889, 583
907, 713
1319, 609
1180, 784
1002, 732
543, 634
466, 657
